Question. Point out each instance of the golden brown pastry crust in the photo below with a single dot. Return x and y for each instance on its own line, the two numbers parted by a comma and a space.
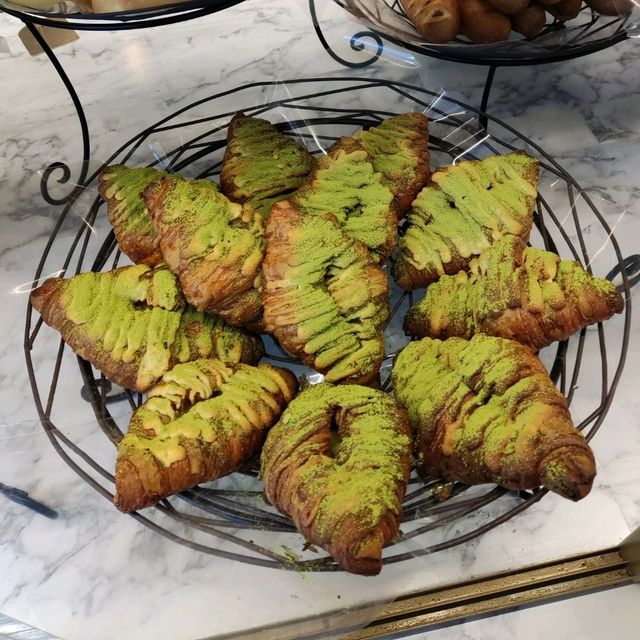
466, 208
261, 165
132, 324
399, 150
337, 463
345, 185
515, 292
485, 410
325, 297
121, 188
214, 246
200, 422
438, 21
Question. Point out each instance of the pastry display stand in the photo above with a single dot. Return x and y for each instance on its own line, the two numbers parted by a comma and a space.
592, 33
123, 21
231, 520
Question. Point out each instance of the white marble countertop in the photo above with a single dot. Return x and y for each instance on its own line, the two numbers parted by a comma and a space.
95, 573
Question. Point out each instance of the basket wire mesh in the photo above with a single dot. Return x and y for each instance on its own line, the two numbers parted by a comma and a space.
229, 518
587, 33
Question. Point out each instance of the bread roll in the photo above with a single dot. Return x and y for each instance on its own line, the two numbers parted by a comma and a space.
437, 20
482, 24
530, 22
611, 7
509, 7
548, 3
565, 10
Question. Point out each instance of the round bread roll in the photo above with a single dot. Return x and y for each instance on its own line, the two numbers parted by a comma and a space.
509, 7
548, 3
611, 7
565, 10
530, 22
438, 21
482, 24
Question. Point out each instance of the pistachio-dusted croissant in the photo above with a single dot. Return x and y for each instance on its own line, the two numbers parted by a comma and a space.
345, 184
213, 245
121, 188
485, 410
325, 297
261, 165
200, 422
133, 325
399, 150
512, 291
469, 206
337, 463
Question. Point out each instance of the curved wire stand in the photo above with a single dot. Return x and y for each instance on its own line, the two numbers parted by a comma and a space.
228, 518
357, 42
590, 32
127, 20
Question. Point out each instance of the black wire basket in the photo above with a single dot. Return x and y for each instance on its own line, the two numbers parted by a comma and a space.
229, 517
587, 33
117, 21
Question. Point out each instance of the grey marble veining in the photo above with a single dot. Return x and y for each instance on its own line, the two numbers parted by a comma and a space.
95, 573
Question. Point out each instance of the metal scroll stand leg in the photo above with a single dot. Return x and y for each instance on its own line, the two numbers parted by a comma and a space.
86, 152
488, 83
356, 42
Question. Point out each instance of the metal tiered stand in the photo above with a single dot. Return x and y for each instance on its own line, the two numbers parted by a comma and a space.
121, 21
386, 21
229, 518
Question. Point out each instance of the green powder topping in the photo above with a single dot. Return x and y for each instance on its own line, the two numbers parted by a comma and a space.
121, 187
261, 165
210, 404
510, 285
469, 206
351, 489
398, 149
311, 303
485, 411
136, 316
215, 246
346, 185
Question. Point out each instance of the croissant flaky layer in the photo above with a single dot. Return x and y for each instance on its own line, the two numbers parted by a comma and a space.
261, 165
512, 291
201, 422
467, 207
337, 463
121, 188
345, 185
213, 245
325, 297
399, 150
132, 324
485, 410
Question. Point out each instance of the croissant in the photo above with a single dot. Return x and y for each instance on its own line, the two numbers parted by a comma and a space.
121, 188
337, 463
525, 294
345, 184
325, 297
485, 410
399, 150
469, 206
213, 245
201, 422
261, 165
133, 325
